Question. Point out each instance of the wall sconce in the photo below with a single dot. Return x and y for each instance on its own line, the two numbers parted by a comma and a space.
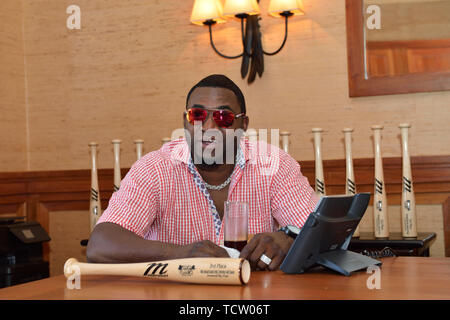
210, 12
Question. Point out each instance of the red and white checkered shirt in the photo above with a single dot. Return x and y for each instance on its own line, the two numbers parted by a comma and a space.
163, 196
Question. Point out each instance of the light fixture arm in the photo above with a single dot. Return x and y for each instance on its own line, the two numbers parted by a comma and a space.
286, 16
209, 23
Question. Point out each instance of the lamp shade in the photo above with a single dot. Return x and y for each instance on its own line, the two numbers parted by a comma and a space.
205, 10
278, 6
234, 7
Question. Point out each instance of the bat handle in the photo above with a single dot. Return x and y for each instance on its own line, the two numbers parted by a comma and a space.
139, 145
117, 178
285, 140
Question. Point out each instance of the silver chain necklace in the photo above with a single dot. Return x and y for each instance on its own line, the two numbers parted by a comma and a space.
226, 182
221, 186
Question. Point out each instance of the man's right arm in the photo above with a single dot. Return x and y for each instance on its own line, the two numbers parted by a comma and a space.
111, 243
119, 237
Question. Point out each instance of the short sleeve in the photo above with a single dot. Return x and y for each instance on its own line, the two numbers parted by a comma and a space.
292, 197
135, 205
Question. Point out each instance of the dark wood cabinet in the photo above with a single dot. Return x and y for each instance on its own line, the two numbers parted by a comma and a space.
394, 245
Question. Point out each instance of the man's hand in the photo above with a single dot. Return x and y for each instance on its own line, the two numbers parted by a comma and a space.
274, 245
203, 248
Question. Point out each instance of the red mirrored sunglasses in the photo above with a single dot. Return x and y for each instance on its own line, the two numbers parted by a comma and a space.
223, 118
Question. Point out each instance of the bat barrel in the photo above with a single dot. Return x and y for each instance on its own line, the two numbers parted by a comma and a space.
350, 186
408, 208
94, 204
349, 161
320, 181
117, 177
380, 215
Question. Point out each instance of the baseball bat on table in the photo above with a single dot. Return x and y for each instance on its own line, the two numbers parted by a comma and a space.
117, 177
409, 223
320, 183
380, 215
350, 187
229, 271
95, 203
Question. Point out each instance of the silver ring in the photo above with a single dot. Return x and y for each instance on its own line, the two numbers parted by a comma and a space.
265, 259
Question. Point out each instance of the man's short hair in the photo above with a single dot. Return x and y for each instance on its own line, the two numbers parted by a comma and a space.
220, 81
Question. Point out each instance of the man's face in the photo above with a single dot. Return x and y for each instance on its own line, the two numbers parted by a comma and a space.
208, 141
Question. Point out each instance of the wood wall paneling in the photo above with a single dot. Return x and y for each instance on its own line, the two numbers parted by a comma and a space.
390, 58
446, 208
67, 228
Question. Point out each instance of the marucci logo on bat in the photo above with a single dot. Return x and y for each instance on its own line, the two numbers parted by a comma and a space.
379, 186
407, 184
320, 186
156, 270
351, 186
94, 194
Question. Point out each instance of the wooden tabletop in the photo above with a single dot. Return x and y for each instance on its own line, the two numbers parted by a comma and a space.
401, 278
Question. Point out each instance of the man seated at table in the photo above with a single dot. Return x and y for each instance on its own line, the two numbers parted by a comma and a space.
171, 203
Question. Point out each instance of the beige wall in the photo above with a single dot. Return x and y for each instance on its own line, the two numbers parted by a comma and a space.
13, 131
126, 73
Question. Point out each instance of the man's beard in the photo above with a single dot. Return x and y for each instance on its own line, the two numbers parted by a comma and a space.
213, 155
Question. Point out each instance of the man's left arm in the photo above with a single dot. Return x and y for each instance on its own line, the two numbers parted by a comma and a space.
292, 200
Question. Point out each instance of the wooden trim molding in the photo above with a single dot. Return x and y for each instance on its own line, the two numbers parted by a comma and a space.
410, 44
35, 194
359, 86
446, 210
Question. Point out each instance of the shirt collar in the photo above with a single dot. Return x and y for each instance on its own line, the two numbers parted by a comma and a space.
178, 150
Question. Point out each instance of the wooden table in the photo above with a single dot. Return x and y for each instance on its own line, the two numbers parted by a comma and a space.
401, 278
